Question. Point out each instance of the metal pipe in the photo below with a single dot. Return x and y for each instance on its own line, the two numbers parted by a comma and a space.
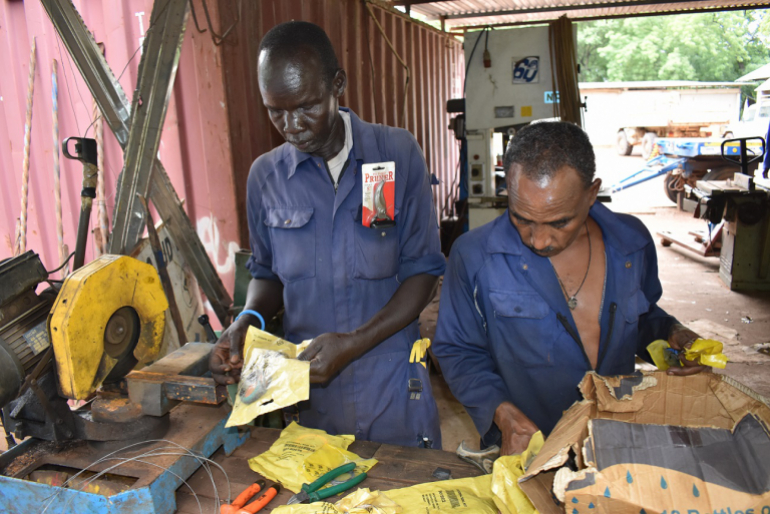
85, 152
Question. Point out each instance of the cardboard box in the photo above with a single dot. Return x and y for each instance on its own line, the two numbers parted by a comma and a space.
651, 443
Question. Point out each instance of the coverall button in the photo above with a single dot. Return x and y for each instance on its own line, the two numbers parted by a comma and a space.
525, 266
517, 309
287, 222
383, 234
628, 264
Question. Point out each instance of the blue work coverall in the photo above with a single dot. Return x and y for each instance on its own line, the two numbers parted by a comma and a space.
337, 274
502, 328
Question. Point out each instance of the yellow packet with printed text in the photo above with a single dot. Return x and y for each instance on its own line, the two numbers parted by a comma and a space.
284, 460
362, 501
329, 457
271, 378
459, 496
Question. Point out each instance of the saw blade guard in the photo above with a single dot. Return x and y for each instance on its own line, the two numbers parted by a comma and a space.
108, 318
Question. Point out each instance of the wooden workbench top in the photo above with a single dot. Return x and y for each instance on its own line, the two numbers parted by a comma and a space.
398, 467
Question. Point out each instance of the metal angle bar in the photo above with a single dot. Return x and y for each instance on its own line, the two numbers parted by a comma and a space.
88, 58
115, 108
157, 71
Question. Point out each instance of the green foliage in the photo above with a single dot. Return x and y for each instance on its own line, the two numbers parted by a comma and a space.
720, 47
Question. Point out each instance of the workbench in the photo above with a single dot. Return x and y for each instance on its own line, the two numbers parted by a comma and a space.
398, 467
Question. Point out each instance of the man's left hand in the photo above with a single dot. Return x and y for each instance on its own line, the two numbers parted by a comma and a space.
328, 354
680, 338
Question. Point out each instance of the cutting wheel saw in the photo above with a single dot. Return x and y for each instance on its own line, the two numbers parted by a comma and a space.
78, 343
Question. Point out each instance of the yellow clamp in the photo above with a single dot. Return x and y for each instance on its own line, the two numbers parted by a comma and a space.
419, 349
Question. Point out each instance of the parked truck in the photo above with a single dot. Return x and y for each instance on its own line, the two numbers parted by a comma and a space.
637, 113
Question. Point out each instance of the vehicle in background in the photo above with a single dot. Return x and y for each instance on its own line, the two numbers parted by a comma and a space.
755, 119
628, 114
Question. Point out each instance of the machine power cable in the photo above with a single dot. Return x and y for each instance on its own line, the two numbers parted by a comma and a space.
51, 272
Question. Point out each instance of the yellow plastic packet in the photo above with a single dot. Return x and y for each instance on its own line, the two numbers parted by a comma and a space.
272, 377
459, 496
362, 501
507, 470
283, 461
707, 352
329, 457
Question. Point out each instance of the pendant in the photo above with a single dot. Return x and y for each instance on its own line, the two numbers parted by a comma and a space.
572, 303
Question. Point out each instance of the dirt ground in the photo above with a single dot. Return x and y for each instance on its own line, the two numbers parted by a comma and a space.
692, 291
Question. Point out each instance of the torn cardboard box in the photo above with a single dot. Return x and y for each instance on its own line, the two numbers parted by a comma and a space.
656, 444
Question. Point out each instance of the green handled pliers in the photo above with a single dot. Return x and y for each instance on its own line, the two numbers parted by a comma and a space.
310, 492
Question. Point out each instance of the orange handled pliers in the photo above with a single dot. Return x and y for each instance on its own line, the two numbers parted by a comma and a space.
238, 506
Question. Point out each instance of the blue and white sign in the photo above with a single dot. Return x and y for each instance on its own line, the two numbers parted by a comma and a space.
526, 70
551, 97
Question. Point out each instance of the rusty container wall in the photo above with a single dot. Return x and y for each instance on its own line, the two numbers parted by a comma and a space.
195, 145
375, 79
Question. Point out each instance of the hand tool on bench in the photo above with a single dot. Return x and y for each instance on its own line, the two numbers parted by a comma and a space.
238, 506
310, 492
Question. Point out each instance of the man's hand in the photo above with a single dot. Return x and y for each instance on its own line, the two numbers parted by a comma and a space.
516, 427
680, 338
225, 361
328, 354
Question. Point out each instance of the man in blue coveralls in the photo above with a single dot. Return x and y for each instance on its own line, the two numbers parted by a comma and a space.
557, 286
356, 291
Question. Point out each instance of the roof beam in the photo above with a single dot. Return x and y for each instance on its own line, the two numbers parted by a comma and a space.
459, 29
562, 8
418, 2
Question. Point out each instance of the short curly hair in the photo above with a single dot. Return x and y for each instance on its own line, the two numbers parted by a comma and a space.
541, 149
292, 36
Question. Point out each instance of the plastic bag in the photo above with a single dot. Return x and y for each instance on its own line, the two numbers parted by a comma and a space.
707, 352
507, 470
363, 501
284, 462
329, 457
459, 496
272, 377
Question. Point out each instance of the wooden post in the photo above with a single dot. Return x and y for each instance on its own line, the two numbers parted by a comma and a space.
25, 164
56, 168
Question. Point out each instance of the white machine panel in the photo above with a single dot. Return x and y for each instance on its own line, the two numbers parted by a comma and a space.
515, 90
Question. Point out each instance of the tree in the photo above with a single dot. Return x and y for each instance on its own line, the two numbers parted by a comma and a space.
717, 47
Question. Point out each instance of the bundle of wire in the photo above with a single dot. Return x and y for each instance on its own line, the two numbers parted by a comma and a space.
160, 451
561, 40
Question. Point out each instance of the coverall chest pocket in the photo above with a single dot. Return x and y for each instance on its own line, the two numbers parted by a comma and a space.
636, 306
376, 250
521, 319
292, 234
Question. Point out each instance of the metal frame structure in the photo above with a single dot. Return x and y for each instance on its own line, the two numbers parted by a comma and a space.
472, 14
144, 171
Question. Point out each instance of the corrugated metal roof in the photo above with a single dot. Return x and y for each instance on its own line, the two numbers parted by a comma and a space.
474, 13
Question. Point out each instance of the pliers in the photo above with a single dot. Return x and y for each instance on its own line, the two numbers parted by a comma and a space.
310, 492
237, 506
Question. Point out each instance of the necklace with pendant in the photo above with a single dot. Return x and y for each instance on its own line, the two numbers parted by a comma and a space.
572, 299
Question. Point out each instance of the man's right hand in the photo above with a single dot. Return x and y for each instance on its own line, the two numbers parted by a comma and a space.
225, 360
516, 427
